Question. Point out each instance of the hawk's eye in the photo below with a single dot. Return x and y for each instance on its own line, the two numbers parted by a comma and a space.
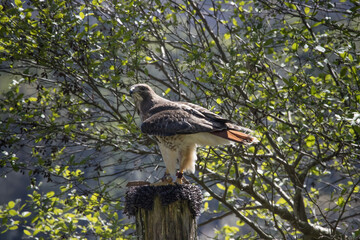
142, 88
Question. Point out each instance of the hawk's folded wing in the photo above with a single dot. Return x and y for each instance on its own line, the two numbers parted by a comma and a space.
181, 119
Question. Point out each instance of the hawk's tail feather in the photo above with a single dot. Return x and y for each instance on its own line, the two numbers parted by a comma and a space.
236, 136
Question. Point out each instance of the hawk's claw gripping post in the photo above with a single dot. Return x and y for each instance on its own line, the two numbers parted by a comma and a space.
167, 178
179, 176
180, 179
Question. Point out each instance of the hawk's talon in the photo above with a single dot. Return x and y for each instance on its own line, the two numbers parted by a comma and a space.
180, 179
179, 174
167, 178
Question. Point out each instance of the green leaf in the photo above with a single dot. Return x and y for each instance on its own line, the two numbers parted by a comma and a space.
59, 15
25, 214
317, 24
234, 22
356, 233
310, 140
240, 223
50, 194
206, 206
18, 3
12, 212
13, 227
307, 10
340, 202
281, 201
27, 232
343, 71
313, 90
11, 204
227, 36
295, 46
290, 5
220, 186
167, 91
357, 129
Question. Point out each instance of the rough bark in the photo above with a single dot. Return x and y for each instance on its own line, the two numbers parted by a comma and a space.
164, 212
173, 222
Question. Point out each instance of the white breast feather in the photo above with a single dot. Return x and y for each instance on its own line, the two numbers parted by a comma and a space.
170, 157
182, 146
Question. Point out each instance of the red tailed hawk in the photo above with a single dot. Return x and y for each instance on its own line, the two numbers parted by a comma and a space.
180, 127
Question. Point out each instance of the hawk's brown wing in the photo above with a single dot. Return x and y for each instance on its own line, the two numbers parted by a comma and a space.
178, 118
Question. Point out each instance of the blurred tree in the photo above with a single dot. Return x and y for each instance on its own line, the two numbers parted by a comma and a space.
287, 69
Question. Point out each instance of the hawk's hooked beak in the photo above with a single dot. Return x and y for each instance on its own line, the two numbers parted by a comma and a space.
132, 91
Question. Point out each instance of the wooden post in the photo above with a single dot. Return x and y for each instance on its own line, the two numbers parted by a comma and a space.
164, 212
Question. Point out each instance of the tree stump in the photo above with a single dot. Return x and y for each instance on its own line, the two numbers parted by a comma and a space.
164, 212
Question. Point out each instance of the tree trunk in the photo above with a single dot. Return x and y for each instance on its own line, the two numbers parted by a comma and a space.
171, 222
164, 212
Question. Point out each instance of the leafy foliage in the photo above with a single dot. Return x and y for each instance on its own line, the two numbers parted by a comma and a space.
288, 70
54, 216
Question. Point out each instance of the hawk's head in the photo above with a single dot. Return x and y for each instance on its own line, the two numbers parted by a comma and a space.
143, 97
140, 91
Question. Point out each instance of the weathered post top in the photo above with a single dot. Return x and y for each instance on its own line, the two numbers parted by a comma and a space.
164, 212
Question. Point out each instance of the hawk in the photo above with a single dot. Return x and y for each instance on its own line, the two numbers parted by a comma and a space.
180, 127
